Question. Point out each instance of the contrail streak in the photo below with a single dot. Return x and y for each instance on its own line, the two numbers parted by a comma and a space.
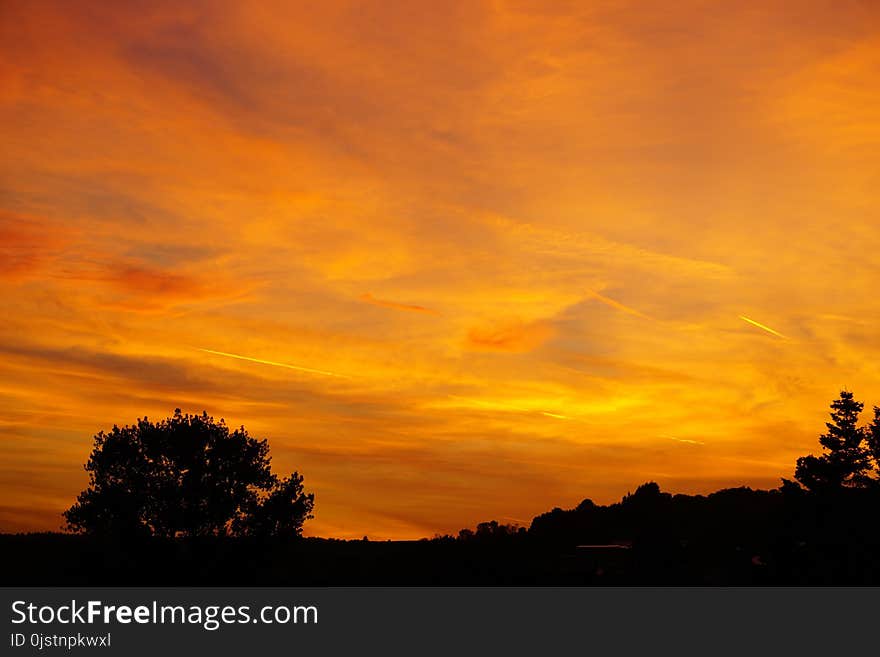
511, 407
684, 440
762, 327
270, 362
616, 305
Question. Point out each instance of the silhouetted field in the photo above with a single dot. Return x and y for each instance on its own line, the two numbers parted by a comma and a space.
736, 536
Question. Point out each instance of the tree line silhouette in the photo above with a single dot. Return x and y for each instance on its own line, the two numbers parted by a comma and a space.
187, 500
850, 461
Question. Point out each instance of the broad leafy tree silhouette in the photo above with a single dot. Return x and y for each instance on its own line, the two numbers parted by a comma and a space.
186, 476
846, 461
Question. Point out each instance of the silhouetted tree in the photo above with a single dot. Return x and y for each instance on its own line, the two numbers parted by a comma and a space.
281, 512
187, 475
493, 529
872, 434
647, 496
846, 462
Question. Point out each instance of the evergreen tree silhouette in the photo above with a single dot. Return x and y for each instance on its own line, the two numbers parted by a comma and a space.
846, 461
873, 438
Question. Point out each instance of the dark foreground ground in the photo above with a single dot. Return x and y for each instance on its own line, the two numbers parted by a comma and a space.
732, 537
57, 559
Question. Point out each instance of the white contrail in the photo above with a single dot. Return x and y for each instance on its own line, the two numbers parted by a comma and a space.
309, 370
762, 327
495, 405
684, 440
608, 301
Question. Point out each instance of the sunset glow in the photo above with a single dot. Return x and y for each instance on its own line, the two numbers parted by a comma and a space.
455, 261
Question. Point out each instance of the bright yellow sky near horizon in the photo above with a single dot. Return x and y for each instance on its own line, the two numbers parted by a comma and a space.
496, 256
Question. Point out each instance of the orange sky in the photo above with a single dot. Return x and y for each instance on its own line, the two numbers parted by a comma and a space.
509, 246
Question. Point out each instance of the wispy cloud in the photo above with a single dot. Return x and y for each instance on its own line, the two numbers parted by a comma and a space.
28, 244
509, 335
394, 305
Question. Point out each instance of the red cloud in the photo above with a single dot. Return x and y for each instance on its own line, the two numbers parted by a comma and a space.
26, 244
369, 298
509, 335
